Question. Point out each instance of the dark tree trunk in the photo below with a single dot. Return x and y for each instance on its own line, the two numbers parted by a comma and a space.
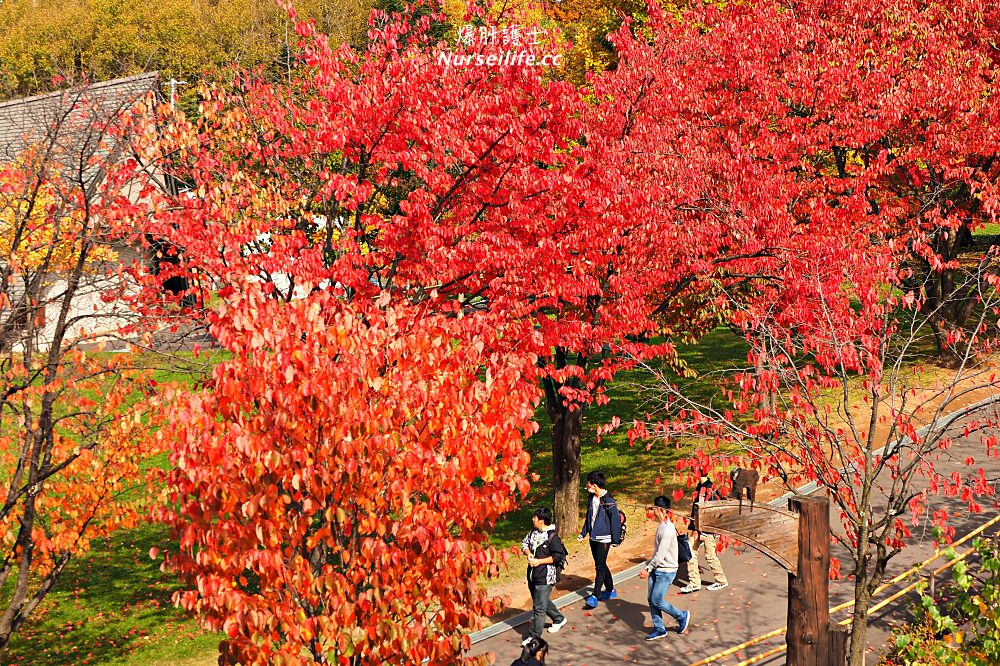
859, 624
567, 426
809, 590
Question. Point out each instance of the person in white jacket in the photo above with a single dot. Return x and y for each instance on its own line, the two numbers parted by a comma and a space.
661, 569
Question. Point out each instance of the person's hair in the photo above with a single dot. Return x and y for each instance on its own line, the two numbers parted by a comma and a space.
544, 514
536, 648
662, 502
597, 478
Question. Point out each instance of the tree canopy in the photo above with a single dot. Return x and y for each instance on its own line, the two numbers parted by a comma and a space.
44, 43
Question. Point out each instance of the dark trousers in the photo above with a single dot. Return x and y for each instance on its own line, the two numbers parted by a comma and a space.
542, 605
603, 580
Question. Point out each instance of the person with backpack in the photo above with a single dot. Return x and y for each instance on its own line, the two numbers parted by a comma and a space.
533, 653
661, 569
546, 558
603, 524
704, 492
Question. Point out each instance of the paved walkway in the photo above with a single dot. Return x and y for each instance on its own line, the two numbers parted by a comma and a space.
754, 604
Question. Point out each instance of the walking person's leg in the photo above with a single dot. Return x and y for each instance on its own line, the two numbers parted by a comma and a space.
694, 574
712, 557
600, 564
539, 605
595, 552
603, 581
655, 589
558, 619
659, 598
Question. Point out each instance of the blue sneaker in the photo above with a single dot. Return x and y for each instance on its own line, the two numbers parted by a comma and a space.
657, 633
604, 596
590, 602
685, 621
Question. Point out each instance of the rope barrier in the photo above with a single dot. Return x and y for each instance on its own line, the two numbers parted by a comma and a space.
741, 646
885, 602
764, 655
848, 604
877, 607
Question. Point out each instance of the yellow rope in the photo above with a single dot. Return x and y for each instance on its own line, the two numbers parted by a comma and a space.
847, 604
764, 655
882, 604
737, 648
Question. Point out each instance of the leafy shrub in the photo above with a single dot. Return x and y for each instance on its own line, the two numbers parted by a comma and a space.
960, 625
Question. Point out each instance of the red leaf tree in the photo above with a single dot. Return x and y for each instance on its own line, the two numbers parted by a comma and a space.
563, 210
378, 173
854, 138
337, 479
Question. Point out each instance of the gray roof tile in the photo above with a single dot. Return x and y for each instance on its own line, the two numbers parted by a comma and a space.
70, 123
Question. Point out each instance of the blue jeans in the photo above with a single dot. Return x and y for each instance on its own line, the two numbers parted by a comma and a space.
659, 584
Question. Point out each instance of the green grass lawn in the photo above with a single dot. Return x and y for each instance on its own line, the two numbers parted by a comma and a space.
988, 231
113, 606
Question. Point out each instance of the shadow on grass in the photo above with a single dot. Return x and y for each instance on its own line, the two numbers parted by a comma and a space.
636, 473
110, 607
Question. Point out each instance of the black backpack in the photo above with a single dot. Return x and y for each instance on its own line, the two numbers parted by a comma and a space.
558, 562
624, 525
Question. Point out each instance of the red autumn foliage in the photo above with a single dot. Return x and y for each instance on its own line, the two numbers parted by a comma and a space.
724, 171
491, 188
379, 173
854, 141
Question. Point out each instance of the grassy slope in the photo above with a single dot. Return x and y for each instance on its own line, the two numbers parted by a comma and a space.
632, 471
113, 606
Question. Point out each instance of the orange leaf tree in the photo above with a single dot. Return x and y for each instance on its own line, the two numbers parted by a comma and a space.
69, 417
335, 482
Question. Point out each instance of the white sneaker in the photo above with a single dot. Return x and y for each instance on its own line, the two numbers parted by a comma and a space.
556, 626
717, 586
689, 588
527, 640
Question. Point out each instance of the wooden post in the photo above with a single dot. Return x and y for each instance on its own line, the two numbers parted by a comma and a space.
838, 644
798, 540
809, 591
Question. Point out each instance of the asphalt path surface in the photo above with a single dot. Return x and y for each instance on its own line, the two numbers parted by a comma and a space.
755, 603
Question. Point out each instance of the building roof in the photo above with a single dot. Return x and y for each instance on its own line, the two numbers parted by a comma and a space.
71, 124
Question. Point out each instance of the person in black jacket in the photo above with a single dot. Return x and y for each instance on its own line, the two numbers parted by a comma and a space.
546, 557
603, 524
533, 653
